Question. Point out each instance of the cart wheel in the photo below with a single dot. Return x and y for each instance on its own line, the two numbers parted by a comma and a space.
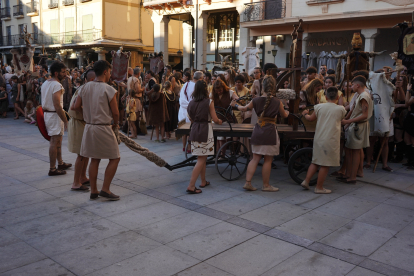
235, 162
188, 155
298, 165
290, 149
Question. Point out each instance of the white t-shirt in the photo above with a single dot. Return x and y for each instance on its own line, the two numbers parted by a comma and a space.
49, 88
185, 100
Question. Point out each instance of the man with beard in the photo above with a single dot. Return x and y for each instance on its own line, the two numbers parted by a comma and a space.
55, 118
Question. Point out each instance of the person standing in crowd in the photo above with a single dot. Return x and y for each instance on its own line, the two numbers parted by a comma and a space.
15, 97
4, 101
131, 114
399, 97
207, 79
158, 113
323, 72
213, 80
357, 134
326, 146
241, 91
67, 85
167, 74
99, 104
76, 126
186, 77
172, 110
409, 137
201, 111
55, 117
257, 87
229, 75
308, 97
321, 95
257, 81
311, 74
134, 84
185, 98
265, 139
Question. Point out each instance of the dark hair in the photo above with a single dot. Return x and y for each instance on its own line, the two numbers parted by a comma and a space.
151, 73
200, 91
219, 84
167, 85
268, 66
168, 67
137, 70
156, 87
56, 67
78, 80
44, 67
239, 78
332, 78
187, 74
330, 72
360, 79
363, 73
311, 70
208, 75
222, 78
331, 93
14, 78
100, 66
88, 73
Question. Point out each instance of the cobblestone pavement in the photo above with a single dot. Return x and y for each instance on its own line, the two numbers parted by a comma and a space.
157, 229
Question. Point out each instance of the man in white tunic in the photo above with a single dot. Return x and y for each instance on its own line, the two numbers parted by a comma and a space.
55, 118
185, 98
100, 108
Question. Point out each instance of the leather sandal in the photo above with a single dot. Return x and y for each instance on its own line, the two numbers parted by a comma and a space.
64, 166
195, 191
56, 172
207, 184
388, 169
110, 196
270, 189
248, 186
81, 189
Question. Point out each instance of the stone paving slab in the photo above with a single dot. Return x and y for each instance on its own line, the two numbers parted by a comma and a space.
158, 229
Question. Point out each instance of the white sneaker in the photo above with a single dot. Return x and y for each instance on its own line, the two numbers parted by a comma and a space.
305, 185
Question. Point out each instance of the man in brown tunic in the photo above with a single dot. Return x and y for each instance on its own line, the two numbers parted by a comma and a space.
100, 108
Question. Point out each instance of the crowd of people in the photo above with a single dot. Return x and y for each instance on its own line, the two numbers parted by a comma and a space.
144, 101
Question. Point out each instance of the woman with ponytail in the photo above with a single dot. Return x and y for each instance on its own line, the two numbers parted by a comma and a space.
265, 139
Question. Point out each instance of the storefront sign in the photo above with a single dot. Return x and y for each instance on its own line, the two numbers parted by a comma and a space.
328, 41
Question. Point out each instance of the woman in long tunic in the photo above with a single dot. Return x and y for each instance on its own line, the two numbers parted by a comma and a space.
265, 139
4, 102
241, 91
172, 110
201, 111
326, 146
157, 110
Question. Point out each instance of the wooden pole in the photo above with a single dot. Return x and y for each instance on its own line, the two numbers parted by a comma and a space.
297, 63
380, 151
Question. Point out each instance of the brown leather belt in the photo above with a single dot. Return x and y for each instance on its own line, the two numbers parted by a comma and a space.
49, 111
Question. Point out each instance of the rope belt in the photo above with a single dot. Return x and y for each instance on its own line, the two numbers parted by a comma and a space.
266, 120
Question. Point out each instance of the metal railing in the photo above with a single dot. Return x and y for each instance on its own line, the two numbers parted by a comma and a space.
32, 7
53, 4
272, 9
50, 39
68, 2
5, 12
18, 10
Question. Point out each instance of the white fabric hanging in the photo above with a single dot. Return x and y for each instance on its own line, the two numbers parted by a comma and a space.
304, 60
312, 60
322, 60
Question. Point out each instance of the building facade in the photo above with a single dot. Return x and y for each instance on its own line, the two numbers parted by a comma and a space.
329, 26
81, 31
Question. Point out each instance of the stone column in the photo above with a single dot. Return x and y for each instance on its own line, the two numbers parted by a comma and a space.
161, 34
370, 35
80, 55
4, 58
245, 41
101, 54
201, 40
187, 45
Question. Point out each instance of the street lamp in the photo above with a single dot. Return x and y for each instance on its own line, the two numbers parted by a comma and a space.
274, 52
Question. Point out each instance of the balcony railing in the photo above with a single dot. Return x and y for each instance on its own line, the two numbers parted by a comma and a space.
53, 4
265, 10
5, 13
18, 10
32, 8
50, 39
68, 2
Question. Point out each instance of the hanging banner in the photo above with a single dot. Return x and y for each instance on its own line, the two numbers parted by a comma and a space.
22, 59
120, 65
